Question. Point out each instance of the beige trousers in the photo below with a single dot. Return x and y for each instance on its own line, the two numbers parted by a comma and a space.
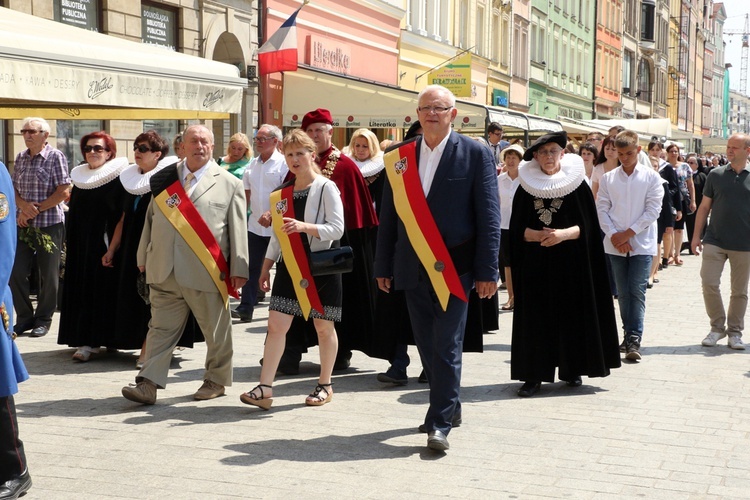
731, 322
170, 306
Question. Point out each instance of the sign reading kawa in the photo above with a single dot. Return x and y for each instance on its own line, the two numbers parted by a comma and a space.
455, 76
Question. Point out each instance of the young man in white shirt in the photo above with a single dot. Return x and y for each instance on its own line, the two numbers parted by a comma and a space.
629, 202
264, 174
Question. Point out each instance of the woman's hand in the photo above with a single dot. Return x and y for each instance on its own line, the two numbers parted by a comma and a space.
264, 282
291, 225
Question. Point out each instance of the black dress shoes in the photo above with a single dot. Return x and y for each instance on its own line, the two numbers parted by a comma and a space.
528, 389
16, 487
393, 376
243, 315
39, 331
574, 382
422, 378
437, 441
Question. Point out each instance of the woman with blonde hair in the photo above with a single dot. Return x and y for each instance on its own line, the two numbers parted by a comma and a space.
308, 216
238, 155
365, 151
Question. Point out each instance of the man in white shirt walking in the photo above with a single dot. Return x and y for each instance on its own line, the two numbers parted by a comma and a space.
265, 173
629, 202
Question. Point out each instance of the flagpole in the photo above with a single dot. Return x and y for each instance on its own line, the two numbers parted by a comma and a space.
264, 77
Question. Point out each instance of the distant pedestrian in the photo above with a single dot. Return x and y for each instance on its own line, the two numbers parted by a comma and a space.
726, 197
41, 184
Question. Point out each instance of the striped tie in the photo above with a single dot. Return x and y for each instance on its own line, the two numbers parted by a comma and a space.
188, 181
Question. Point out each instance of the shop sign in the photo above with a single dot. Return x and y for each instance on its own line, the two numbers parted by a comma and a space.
28, 81
351, 121
329, 55
80, 13
159, 26
455, 76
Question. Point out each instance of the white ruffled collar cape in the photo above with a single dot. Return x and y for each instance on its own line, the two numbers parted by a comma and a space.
370, 166
571, 174
85, 178
138, 183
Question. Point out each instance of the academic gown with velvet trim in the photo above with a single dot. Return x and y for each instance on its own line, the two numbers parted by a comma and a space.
564, 314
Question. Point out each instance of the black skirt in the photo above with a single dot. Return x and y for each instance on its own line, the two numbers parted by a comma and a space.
284, 298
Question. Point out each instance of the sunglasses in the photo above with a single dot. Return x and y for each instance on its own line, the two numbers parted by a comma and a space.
142, 148
95, 149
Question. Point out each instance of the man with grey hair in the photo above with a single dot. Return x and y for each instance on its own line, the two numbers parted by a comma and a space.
265, 173
41, 183
193, 250
452, 188
726, 198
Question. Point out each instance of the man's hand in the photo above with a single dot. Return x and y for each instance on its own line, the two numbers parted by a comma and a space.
486, 289
384, 284
28, 209
265, 219
237, 282
678, 216
696, 245
22, 220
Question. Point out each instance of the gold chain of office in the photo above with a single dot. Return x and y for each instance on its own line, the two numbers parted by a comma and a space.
333, 158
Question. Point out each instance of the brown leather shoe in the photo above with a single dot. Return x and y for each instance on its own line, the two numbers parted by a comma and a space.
209, 390
142, 392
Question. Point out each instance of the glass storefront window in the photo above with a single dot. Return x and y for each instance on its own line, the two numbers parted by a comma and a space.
69, 133
165, 128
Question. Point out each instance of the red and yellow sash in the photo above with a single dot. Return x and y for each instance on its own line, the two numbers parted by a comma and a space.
176, 206
293, 251
411, 205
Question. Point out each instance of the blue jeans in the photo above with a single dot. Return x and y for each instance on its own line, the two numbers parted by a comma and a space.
256, 246
631, 276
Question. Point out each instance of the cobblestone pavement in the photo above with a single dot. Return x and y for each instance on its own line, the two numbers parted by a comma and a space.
673, 426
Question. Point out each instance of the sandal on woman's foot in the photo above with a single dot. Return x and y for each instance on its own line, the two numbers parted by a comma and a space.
250, 398
316, 398
508, 306
84, 353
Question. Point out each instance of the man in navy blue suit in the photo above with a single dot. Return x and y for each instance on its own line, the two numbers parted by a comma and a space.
457, 179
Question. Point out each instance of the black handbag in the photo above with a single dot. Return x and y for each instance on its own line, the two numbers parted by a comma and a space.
332, 261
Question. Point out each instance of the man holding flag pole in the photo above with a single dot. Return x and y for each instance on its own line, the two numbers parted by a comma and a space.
439, 237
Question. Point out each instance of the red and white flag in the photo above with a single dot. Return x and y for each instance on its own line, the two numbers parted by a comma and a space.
279, 53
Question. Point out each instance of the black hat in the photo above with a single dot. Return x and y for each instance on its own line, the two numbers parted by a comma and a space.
560, 138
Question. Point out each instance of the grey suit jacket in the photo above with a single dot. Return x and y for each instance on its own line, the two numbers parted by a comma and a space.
220, 199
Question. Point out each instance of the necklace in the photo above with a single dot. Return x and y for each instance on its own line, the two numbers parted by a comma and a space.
545, 214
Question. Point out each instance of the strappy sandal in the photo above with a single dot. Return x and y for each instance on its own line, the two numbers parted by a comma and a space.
250, 398
316, 399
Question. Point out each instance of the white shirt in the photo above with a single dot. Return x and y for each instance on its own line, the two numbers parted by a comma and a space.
506, 189
196, 176
630, 202
428, 162
260, 178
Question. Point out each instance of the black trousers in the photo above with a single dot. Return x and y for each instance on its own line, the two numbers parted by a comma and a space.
12, 457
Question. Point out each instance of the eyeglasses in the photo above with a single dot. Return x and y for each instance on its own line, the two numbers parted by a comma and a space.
142, 148
95, 149
548, 152
261, 140
433, 109
29, 131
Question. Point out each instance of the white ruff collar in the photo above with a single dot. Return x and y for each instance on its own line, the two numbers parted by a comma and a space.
85, 178
137, 183
371, 166
564, 182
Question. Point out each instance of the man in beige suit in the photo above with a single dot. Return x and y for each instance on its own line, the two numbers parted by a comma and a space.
180, 276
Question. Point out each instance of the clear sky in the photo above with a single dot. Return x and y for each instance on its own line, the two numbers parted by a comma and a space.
736, 10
